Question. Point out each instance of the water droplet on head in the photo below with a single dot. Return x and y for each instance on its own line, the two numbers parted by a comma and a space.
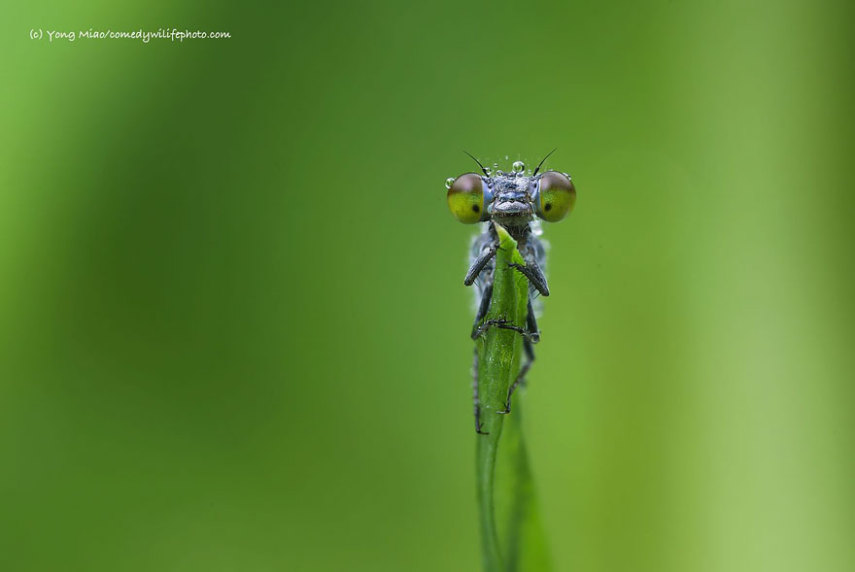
518, 166
449, 181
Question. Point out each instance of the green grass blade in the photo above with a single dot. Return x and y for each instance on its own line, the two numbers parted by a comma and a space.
521, 533
505, 490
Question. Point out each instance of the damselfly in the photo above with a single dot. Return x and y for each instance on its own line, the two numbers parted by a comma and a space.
508, 202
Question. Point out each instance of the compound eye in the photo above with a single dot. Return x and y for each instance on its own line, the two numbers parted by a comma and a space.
556, 196
466, 198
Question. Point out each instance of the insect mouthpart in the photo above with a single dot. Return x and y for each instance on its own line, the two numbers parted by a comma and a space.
510, 208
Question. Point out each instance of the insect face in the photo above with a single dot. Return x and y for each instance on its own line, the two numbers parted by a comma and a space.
511, 199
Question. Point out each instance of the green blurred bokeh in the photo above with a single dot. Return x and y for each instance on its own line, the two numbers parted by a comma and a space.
233, 334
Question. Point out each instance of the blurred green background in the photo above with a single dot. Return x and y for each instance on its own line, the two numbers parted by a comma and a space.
233, 333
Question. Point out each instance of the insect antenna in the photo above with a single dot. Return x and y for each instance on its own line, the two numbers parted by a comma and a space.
486, 172
539, 165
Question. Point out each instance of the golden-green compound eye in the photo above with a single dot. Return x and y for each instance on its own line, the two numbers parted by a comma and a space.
557, 196
466, 198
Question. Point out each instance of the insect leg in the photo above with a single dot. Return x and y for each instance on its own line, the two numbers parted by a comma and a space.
506, 325
486, 295
534, 274
531, 322
520, 380
476, 402
528, 348
478, 265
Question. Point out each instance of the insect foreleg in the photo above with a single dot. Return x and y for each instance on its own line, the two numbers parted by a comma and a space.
487, 254
534, 274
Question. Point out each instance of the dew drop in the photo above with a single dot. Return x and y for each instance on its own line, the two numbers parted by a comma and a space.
518, 166
449, 181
